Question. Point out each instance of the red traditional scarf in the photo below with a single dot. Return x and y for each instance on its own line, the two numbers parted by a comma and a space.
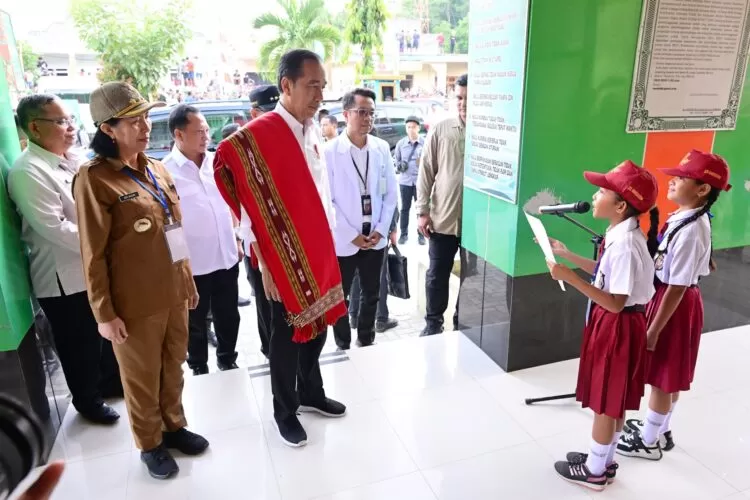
262, 168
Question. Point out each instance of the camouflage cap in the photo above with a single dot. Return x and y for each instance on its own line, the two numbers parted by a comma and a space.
118, 100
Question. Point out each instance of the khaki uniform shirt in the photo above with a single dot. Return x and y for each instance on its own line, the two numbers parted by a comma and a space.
440, 182
129, 273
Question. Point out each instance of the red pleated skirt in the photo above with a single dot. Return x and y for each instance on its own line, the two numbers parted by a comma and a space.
672, 364
612, 370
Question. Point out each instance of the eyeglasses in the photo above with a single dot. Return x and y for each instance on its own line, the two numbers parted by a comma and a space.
362, 113
63, 122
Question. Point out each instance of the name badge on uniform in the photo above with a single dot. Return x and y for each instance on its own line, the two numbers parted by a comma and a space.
129, 196
176, 242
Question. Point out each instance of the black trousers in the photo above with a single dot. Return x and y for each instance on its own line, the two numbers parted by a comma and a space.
262, 306
408, 194
355, 294
295, 369
218, 293
443, 248
367, 263
87, 359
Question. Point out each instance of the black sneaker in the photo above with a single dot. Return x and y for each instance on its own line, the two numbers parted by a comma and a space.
291, 431
580, 458
185, 441
224, 366
578, 473
200, 370
102, 414
420, 239
382, 326
632, 445
328, 407
431, 331
403, 239
159, 463
634, 425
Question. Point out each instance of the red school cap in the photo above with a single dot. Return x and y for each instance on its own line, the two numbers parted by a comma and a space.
636, 185
705, 167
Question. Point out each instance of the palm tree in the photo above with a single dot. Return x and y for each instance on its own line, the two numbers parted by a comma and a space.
304, 25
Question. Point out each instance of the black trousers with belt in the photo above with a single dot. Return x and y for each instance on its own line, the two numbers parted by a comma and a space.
218, 293
295, 369
262, 306
87, 359
367, 263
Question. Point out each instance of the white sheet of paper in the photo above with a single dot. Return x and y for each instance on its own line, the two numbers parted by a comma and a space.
541, 236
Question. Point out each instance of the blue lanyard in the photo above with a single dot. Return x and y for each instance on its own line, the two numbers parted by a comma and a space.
159, 195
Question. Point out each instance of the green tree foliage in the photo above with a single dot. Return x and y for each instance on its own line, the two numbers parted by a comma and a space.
305, 24
364, 28
446, 17
135, 40
28, 57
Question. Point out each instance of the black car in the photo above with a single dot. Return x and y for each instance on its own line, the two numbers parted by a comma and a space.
218, 114
390, 119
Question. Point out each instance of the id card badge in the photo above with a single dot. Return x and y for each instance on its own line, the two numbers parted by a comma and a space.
366, 205
176, 242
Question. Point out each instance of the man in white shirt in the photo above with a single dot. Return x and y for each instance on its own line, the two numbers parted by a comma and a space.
293, 245
363, 190
214, 249
40, 184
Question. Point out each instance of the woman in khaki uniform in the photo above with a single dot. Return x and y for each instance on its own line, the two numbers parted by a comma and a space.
137, 272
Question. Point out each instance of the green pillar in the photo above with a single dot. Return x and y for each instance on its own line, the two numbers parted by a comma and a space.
16, 315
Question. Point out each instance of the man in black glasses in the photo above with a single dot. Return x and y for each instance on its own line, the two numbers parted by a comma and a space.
364, 191
40, 184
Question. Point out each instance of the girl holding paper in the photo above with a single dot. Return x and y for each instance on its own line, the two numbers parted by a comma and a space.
612, 371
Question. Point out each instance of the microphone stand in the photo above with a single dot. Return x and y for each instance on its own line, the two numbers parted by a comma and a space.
596, 240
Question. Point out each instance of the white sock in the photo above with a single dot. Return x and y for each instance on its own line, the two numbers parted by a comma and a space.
613, 448
666, 426
597, 459
651, 426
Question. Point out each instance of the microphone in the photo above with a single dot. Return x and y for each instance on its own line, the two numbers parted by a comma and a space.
579, 207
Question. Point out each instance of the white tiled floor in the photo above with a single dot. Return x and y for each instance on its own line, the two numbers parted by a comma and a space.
429, 418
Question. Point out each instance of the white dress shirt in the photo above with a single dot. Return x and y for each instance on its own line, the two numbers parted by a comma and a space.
206, 219
310, 141
626, 268
689, 254
40, 184
347, 189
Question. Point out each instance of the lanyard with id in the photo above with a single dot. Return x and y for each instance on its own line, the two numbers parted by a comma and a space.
173, 232
365, 198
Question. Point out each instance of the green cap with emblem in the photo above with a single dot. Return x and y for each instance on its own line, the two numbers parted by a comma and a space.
118, 100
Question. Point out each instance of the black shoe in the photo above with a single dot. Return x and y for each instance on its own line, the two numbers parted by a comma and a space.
102, 414
431, 331
243, 302
403, 239
159, 462
420, 239
382, 326
200, 370
365, 343
666, 441
578, 473
212, 338
633, 425
224, 367
185, 441
353, 320
328, 407
291, 431
580, 458
632, 445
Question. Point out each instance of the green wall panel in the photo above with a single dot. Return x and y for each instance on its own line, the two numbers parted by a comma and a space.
475, 222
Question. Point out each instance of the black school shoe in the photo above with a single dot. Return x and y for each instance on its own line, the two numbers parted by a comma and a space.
102, 414
580, 458
159, 462
632, 445
634, 425
291, 431
578, 473
185, 441
328, 408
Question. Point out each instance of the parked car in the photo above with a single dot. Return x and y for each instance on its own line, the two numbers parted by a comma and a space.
390, 118
218, 114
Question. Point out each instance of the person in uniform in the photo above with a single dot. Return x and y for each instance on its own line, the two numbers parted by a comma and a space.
137, 273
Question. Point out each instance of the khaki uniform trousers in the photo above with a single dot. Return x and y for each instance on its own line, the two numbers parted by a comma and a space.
151, 362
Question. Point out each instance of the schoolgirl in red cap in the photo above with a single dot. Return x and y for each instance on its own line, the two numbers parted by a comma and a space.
675, 315
612, 370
